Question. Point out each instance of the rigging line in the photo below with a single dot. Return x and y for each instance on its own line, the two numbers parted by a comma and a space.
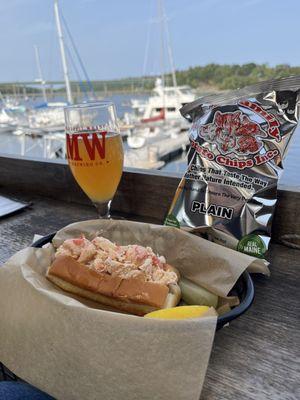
82, 86
146, 54
49, 66
169, 46
78, 56
162, 47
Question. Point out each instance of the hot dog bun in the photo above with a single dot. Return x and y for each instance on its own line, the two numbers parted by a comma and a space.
133, 295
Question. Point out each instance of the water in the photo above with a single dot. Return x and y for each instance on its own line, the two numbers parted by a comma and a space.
11, 144
290, 178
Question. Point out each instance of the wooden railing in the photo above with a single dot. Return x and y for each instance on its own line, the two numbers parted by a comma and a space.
141, 192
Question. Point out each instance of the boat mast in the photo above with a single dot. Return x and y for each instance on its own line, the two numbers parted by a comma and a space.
170, 53
40, 76
162, 52
62, 52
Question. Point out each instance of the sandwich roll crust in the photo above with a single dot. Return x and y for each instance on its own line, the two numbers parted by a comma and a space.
134, 295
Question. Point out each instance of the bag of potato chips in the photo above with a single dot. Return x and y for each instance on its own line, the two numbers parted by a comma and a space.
238, 141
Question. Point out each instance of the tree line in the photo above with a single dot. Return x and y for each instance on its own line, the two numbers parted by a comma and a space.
233, 76
216, 76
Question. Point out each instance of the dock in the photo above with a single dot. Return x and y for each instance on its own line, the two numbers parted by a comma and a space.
155, 155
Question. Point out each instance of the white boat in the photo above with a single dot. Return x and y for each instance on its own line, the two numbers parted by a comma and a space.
4, 128
148, 135
164, 103
7, 122
136, 142
159, 116
43, 119
47, 119
161, 109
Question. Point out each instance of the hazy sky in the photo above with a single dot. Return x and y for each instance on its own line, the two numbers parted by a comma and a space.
111, 35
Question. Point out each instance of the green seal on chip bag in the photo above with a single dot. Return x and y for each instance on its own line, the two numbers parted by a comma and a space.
171, 220
252, 245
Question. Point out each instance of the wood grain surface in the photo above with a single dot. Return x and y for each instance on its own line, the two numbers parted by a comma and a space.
256, 357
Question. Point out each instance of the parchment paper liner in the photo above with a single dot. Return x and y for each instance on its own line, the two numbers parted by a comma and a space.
73, 351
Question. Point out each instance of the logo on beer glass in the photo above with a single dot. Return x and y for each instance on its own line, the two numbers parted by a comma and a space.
93, 143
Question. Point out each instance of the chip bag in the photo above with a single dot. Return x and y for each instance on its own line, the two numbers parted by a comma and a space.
238, 141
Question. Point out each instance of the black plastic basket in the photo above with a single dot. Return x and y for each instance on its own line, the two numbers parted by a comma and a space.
243, 288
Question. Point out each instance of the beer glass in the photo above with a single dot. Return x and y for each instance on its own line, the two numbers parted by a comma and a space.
95, 151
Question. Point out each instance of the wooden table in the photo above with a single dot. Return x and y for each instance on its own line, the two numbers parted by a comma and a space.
257, 356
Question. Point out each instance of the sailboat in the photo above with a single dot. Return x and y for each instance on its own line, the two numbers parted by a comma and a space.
45, 117
48, 117
7, 122
11, 113
159, 115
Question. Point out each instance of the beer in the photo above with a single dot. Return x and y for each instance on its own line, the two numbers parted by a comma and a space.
95, 151
96, 162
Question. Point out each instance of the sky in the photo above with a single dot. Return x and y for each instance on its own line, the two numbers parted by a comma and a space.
111, 35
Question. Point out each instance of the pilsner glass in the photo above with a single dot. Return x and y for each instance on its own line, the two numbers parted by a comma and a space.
95, 151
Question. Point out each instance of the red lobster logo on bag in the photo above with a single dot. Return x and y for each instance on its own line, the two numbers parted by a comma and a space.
233, 132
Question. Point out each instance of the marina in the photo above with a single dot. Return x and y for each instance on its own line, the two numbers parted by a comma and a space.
166, 151
155, 135
152, 128
160, 142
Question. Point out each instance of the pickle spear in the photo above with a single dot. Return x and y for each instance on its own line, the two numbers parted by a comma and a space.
193, 294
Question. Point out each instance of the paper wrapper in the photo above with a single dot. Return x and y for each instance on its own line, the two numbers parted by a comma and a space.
71, 350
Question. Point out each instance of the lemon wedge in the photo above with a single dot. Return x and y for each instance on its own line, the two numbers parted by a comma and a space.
181, 312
